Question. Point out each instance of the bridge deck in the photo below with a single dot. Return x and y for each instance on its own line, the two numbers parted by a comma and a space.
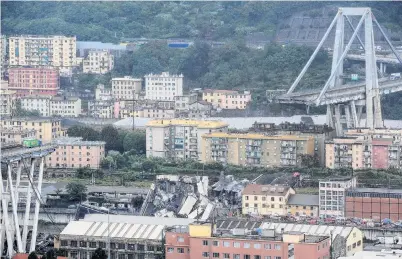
20, 153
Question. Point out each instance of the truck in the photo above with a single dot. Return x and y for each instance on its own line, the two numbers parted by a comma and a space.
30, 143
395, 76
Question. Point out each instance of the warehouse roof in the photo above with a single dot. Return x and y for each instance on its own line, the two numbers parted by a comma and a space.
121, 226
183, 122
304, 200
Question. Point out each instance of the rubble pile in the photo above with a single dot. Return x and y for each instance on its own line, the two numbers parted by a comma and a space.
192, 197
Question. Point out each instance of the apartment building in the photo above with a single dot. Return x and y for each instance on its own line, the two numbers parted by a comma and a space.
198, 241
15, 135
102, 109
303, 205
266, 199
163, 86
102, 93
364, 148
33, 50
182, 103
126, 88
332, 194
3, 50
38, 103
374, 203
178, 138
34, 80
255, 149
65, 106
98, 62
7, 102
73, 152
227, 99
46, 129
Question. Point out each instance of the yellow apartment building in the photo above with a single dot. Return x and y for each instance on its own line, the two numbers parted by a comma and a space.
227, 99
303, 205
16, 135
179, 138
255, 149
46, 129
266, 199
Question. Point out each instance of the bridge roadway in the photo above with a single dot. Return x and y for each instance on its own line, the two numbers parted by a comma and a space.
343, 94
17, 154
379, 59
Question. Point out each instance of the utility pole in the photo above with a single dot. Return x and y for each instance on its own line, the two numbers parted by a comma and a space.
133, 109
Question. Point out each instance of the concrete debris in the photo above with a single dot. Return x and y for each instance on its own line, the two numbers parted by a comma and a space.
192, 197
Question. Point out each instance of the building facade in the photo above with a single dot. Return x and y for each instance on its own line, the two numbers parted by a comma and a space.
98, 62
266, 199
163, 86
255, 149
76, 153
199, 242
102, 109
65, 106
7, 102
3, 51
332, 194
102, 93
46, 129
53, 51
37, 103
364, 148
16, 135
303, 205
126, 88
178, 138
227, 99
34, 80
374, 203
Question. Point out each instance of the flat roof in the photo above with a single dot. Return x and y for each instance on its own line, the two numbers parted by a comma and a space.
76, 141
375, 190
255, 136
304, 199
190, 123
269, 190
30, 119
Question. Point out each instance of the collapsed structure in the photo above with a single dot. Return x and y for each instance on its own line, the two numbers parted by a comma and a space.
192, 197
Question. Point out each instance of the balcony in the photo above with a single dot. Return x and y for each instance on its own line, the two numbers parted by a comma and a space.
253, 154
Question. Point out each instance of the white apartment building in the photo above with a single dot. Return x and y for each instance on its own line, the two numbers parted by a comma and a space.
102, 109
98, 62
102, 93
7, 101
333, 195
65, 106
163, 86
126, 88
3, 49
33, 50
37, 103
178, 138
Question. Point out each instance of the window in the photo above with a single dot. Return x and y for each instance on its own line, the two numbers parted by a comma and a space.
246, 205
246, 257
236, 256
277, 247
73, 243
180, 239
102, 244
267, 257
215, 255
246, 197
226, 256
180, 250
257, 246
226, 244
205, 254
267, 246
256, 198
246, 245
349, 248
277, 257
120, 256
131, 247
170, 250
64, 243
92, 244
204, 242
354, 245
83, 244
359, 243
121, 246
257, 256
236, 244
215, 243
318, 248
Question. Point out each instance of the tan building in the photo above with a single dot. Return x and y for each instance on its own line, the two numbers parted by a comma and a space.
163, 86
364, 148
255, 149
16, 135
266, 199
55, 51
227, 99
46, 129
126, 88
98, 62
178, 138
75, 153
7, 102
65, 106
300, 205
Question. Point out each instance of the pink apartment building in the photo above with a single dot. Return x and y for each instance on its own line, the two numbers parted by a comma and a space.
33, 81
75, 153
198, 242
227, 99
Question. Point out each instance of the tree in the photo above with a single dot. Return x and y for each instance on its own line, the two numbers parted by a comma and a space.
109, 134
50, 254
99, 254
137, 201
76, 191
20, 112
148, 166
310, 161
87, 133
32, 255
135, 141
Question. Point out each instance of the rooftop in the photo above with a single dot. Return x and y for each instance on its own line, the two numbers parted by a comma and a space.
30, 119
255, 136
221, 91
304, 200
164, 74
64, 98
127, 78
271, 190
76, 141
375, 190
14, 130
181, 122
